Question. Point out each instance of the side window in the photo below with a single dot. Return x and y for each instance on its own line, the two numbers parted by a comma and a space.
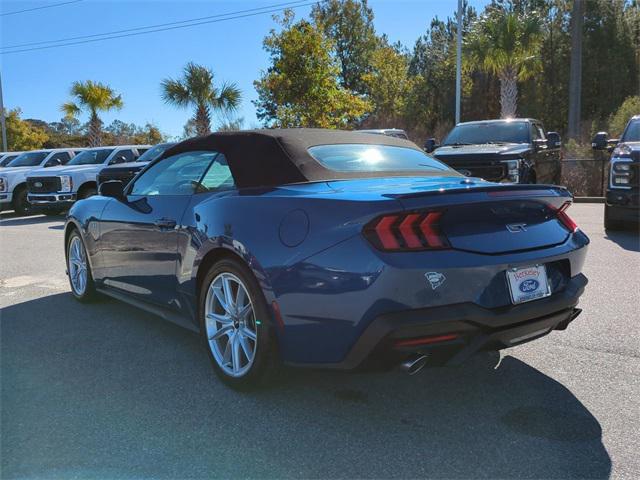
176, 175
141, 151
122, 156
535, 135
218, 177
58, 159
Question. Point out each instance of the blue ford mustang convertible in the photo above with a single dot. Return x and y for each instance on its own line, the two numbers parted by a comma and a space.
329, 249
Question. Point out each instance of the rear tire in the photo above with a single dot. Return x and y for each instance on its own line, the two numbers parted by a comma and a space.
78, 269
20, 203
235, 326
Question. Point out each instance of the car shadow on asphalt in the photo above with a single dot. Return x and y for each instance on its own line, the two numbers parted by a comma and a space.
629, 240
11, 220
104, 390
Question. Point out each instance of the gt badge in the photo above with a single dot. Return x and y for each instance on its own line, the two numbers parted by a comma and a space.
435, 279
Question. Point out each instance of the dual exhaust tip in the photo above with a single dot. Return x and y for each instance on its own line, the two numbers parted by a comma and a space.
414, 364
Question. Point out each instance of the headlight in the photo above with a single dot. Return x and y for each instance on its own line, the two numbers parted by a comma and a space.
513, 170
620, 173
66, 183
3, 184
622, 151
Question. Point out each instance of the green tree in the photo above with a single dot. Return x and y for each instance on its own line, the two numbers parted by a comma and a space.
196, 89
389, 86
301, 87
93, 97
431, 106
349, 24
22, 135
619, 119
506, 43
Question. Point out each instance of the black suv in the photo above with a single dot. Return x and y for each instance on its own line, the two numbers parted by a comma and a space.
513, 150
622, 207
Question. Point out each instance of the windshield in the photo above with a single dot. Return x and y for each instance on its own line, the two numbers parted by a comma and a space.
632, 132
31, 159
154, 152
374, 158
494, 132
91, 157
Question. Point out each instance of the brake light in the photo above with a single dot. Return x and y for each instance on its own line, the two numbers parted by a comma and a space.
407, 231
565, 219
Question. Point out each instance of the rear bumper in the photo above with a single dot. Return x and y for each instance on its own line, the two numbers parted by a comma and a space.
476, 329
51, 199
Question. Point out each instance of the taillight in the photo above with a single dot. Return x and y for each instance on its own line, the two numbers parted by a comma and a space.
565, 219
407, 231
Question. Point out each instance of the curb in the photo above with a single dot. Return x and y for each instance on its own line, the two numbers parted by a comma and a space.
588, 199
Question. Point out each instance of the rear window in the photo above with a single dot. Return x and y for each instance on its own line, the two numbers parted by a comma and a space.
374, 158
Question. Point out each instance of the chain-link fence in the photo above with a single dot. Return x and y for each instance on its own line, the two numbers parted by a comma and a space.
586, 177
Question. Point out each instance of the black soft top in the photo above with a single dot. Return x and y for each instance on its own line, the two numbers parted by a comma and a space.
280, 156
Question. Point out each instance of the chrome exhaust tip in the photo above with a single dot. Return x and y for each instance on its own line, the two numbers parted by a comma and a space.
414, 364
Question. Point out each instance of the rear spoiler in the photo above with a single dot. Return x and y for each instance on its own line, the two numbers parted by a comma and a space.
496, 190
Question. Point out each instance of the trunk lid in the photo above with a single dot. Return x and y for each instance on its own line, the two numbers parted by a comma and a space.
477, 216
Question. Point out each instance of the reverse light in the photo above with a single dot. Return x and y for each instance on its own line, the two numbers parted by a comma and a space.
414, 342
407, 231
66, 183
565, 219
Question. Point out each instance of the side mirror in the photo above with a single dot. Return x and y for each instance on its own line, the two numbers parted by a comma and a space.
430, 145
112, 188
553, 140
600, 141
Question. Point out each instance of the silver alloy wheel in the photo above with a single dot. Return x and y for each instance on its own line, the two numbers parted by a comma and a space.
230, 324
77, 266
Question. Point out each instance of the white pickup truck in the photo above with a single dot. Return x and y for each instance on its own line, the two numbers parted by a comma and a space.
55, 189
13, 178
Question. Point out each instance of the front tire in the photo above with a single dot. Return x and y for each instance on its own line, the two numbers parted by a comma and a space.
87, 192
609, 223
235, 325
78, 269
21, 204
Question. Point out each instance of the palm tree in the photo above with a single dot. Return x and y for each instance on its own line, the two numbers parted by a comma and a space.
92, 97
196, 89
506, 44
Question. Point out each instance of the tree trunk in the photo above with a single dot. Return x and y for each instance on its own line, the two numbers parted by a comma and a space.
95, 130
575, 75
508, 93
203, 120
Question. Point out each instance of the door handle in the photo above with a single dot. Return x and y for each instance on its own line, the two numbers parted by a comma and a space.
165, 223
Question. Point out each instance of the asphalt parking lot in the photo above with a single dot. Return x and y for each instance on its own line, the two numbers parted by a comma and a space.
107, 391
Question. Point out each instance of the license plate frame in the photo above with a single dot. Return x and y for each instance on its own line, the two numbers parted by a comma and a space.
527, 284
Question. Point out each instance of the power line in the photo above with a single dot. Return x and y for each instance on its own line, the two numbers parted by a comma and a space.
39, 8
156, 30
159, 25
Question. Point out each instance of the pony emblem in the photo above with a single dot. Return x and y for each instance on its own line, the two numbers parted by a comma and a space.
435, 279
